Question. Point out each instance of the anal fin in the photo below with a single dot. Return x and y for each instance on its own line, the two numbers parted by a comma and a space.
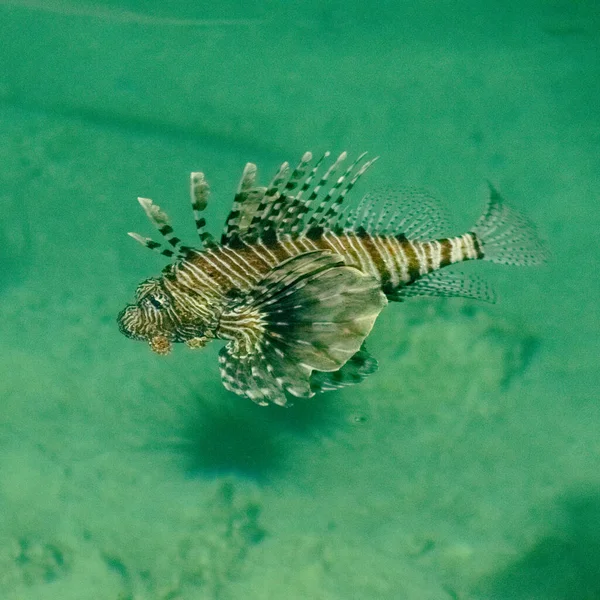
446, 284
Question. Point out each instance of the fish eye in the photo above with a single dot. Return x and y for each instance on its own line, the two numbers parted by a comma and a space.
155, 302
158, 301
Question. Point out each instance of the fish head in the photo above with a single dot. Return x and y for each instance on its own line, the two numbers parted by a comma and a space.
152, 318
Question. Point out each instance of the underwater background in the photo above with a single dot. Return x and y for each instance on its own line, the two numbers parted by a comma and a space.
467, 468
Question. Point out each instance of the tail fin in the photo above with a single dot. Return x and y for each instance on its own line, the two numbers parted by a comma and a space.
508, 237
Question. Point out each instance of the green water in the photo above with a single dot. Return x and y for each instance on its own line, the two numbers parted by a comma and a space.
466, 468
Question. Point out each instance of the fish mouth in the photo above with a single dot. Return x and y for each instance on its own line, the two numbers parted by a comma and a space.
160, 345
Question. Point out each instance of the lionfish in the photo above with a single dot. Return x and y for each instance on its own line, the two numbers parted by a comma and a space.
298, 277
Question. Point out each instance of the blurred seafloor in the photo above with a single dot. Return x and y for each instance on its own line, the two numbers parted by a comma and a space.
466, 468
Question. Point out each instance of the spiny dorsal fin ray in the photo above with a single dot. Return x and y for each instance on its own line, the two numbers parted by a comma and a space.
320, 218
277, 210
245, 203
199, 192
324, 179
446, 284
357, 369
152, 245
297, 214
315, 313
273, 193
299, 172
278, 207
298, 206
160, 220
328, 219
257, 209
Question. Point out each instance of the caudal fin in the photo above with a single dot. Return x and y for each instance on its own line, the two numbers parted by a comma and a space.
508, 237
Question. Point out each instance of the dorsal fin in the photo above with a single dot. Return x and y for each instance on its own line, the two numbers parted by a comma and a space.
446, 284
199, 192
273, 193
317, 213
294, 202
161, 221
409, 212
329, 218
301, 217
278, 208
298, 205
151, 244
246, 185
255, 209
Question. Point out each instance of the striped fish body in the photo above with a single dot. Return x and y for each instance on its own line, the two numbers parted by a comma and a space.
393, 261
298, 279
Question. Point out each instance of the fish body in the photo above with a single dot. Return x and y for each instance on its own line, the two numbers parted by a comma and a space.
298, 277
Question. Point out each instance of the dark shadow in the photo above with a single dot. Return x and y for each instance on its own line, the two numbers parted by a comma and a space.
233, 435
15, 249
227, 438
565, 565
307, 417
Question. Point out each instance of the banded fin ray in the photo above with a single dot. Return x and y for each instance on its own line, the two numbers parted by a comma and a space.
447, 285
259, 219
251, 377
314, 314
245, 203
255, 208
306, 204
161, 221
322, 218
295, 201
298, 206
199, 192
277, 209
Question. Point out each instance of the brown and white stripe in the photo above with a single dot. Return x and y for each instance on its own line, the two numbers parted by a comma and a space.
392, 260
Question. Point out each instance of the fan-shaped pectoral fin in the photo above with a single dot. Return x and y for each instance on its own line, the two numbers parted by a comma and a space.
311, 313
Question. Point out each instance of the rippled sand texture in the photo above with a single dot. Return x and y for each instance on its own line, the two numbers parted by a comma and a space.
466, 468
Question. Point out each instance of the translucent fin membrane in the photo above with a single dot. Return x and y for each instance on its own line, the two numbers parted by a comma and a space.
508, 237
449, 285
410, 212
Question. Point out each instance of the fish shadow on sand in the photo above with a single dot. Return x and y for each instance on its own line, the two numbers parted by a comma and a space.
236, 436
564, 565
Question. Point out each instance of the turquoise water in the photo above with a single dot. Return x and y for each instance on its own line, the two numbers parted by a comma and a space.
466, 468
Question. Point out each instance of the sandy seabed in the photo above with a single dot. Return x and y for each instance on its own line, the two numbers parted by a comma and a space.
466, 468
